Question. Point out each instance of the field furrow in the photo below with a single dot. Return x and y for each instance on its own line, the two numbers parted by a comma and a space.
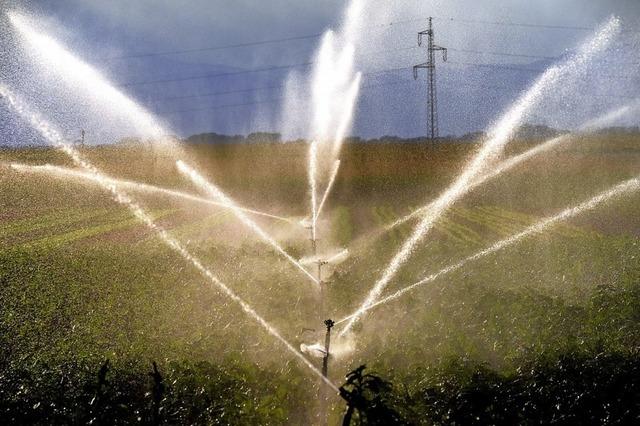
57, 240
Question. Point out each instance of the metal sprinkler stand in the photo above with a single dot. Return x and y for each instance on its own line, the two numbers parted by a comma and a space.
327, 341
320, 264
323, 285
325, 367
322, 394
312, 238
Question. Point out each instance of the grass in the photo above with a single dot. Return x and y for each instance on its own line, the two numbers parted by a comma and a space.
116, 222
45, 221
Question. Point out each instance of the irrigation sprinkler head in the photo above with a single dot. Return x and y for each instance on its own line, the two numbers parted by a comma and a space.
329, 323
326, 259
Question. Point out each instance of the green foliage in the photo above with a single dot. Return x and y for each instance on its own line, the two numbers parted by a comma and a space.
82, 392
367, 397
576, 388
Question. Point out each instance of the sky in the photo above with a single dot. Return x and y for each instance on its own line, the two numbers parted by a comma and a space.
117, 37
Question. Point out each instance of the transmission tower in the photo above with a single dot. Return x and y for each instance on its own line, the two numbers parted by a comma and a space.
430, 65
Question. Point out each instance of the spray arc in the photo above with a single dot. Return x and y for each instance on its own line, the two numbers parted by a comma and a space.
629, 186
56, 58
64, 172
216, 193
512, 162
489, 151
48, 132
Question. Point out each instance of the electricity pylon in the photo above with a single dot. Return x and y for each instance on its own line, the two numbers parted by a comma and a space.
430, 65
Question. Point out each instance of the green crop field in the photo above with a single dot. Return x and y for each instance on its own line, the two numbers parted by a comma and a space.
82, 280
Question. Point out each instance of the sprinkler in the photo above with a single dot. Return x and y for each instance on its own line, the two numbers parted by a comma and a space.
325, 369
327, 340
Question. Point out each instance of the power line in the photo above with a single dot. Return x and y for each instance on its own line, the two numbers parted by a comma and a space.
526, 24
213, 48
206, 76
516, 24
537, 70
306, 64
403, 82
318, 35
280, 98
380, 71
225, 92
515, 55
501, 66
255, 89
271, 100
519, 55
255, 70
273, 68
246, 44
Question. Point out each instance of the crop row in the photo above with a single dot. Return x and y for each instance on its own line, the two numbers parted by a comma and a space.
56, 240
468, 226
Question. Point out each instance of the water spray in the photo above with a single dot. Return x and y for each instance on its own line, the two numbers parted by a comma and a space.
332, 258
56, 58
494, 172
313, 191
327, 191
512, 162
612, 116
339, 257
318, 350
217, 193
625, 187
347, 116
507, 165
334, 93
136, 186
490, 150
53, 136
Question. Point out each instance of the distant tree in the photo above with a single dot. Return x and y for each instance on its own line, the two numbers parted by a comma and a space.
264, 137
129, 141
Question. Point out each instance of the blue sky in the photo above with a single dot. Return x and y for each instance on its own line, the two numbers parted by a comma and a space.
99, 31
